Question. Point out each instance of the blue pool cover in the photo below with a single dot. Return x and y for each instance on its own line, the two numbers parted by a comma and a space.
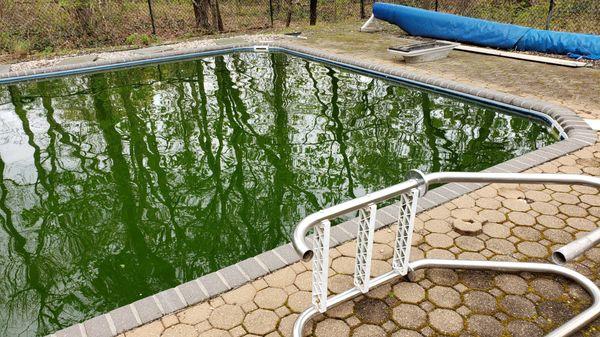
420, 22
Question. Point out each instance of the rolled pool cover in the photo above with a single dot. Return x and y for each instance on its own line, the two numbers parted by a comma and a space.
442, 26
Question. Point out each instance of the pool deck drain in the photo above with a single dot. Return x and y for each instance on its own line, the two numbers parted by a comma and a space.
248, 298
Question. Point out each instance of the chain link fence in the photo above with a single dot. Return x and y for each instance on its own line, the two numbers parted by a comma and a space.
46, 25
581, 16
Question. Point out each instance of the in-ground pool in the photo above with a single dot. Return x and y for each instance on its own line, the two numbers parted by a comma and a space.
118, 185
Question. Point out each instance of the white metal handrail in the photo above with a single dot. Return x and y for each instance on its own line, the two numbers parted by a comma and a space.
409, 191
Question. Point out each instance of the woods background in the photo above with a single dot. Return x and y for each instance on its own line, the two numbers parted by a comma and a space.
48, 25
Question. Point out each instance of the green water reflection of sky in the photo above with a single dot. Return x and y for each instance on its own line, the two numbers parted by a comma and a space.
118, 185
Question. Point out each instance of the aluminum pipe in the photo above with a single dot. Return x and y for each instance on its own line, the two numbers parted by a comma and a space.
576, 248
420, 180
564, 330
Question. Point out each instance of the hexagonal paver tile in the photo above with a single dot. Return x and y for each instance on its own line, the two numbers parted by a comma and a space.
510, 193
409, 316
477, 279
332, 327
488, 203
215, 333
304, 281
281, 278
195, 314
153, 329
481, 302
444, 277
518, 306
496, 230
343, 310
240, 295
406, 333
492, 216
537, 196
439, 240
581, 224
551, 221
409, 292
467, 227
519, 205
260, 322
299, 301
180, 330
226, 316
500, 246
437, 226
532, 249
343, 265
565, 198
524, 329
521, 218
485, 326
469, 243
544, 208
466, 214
341, 282
372, 311
511, 284
270, 298
286, 325
558, 236
446, 321
546, 288
555, 312
444, 297
369, 330
382, 252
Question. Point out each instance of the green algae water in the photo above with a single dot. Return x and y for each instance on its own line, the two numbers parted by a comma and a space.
118, 185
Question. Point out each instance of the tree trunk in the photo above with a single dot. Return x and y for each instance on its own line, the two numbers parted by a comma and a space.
216, 12
201, 12
362, 9
288, 19
313, 12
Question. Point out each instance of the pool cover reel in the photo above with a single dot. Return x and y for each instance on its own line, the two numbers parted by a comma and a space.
421, 22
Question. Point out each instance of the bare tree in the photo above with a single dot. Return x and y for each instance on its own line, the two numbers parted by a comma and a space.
288, 18
362, 9
217, 20
81, 10
201, 13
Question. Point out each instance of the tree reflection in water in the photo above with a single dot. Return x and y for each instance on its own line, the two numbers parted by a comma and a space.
118, 185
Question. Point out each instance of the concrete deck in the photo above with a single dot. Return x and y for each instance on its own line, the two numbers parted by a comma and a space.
512, 222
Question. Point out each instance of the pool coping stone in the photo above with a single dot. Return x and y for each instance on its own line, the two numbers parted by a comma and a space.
208, 286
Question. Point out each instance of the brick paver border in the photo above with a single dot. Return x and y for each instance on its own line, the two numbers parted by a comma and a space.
578, 135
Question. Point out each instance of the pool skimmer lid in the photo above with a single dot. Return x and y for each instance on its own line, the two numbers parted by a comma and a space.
423, 51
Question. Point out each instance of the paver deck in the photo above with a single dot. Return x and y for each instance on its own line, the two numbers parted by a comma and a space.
517, 222
575, 88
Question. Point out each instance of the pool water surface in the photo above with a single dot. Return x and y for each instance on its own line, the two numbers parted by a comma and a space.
118, 185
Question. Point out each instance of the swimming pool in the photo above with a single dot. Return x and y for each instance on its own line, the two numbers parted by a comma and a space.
120, 184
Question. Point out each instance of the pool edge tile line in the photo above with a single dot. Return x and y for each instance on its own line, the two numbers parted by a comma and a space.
168, 301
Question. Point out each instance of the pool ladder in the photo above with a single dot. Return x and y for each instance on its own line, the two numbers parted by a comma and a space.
408, 193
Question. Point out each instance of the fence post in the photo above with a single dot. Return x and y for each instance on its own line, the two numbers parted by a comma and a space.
550, 13
437, 5
271, 11
151, 17
313, 12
